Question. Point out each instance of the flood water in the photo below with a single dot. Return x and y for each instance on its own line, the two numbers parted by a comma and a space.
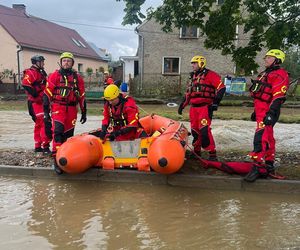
60, 214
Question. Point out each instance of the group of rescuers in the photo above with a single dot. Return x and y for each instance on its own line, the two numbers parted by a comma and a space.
53, 101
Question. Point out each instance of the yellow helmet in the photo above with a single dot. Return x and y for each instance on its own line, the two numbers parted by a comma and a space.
67, 55
106, 72
277, 53
201, 60
111, 92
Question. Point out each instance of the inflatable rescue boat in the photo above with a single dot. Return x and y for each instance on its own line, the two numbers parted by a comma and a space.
163, 150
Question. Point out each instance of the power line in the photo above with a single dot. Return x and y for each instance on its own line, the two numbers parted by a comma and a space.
73, 23
105, 26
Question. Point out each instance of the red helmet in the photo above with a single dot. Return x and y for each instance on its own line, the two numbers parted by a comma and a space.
110, 81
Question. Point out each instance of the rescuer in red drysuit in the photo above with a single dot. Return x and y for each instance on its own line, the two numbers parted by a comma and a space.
268, 91
204, 94
34, 82
121, 113
108, 79
64, 91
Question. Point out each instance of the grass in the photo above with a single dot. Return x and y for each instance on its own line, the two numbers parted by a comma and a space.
288, 115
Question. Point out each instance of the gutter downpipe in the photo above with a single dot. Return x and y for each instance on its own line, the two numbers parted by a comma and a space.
123, 64
142, 63
19, 70
141, 56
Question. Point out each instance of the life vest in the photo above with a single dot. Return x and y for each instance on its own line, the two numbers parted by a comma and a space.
117, 116
261, 89
66, 90
200, 88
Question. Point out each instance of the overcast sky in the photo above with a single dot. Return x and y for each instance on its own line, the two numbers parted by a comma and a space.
97, 21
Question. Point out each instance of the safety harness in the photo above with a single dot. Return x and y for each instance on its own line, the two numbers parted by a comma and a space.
67, 93
261, 89
199, 88
117, 117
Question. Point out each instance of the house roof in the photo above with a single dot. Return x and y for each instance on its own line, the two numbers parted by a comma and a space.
102, 53
36, 33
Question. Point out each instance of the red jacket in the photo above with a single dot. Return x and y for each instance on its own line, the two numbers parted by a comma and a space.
270, 85
66, 89
34, 82
205, 87
123, 115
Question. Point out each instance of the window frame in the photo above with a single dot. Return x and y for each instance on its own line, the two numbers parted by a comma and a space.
220, 2
163, 65
80, 67
189, 36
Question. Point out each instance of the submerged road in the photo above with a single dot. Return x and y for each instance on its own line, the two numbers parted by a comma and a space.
16, 132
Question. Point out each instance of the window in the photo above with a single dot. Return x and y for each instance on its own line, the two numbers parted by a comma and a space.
82, 44
80, 67
78, 43
171, 65
189, 32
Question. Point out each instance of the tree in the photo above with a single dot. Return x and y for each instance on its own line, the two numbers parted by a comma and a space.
89, 72
5, 74
267, 23
292, 63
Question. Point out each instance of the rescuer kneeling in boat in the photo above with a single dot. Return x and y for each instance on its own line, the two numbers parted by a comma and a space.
121, 113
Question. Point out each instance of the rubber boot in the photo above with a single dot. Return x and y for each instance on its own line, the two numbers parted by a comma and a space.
270, 167
38, 150
252, 175
212, 156
47, 151
56, 168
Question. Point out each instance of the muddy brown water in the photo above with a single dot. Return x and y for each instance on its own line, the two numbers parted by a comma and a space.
16, 131
60, 214
47, 214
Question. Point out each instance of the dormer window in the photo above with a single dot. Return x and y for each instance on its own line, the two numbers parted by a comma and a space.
78, 43
82, 44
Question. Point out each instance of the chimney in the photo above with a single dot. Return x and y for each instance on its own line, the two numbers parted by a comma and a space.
20, 7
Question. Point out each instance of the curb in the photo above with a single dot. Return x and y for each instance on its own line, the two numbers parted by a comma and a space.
227, 183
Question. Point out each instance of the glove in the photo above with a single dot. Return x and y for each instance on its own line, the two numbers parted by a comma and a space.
180, 109
253, 116
113, 135
269, 118
83, 117
102, 134
48, 125
214, 107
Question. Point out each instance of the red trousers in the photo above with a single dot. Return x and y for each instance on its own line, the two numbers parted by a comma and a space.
63, 123
39, 134
200, 125
264, 141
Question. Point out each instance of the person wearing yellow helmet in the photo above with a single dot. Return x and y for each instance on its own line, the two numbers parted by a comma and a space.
121, 114
64, 92
204, 94
269, 93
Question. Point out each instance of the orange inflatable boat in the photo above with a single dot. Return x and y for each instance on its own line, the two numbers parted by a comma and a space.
163, 151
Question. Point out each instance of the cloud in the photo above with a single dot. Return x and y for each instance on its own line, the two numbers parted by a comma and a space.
93, 20
124, 50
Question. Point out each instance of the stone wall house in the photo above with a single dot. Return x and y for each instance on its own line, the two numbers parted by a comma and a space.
164, 59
